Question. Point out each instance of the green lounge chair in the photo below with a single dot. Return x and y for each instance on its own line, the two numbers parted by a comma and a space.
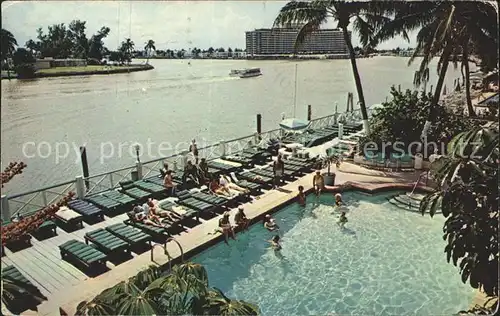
107, 242
149, 186
119, 197
154, 231
103, 202
26, 296
130, 234
82, 253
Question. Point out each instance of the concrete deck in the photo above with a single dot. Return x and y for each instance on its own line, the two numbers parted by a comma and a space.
81, 287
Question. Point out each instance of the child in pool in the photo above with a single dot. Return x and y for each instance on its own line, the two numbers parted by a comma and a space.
342, 220
275, 243
301, 197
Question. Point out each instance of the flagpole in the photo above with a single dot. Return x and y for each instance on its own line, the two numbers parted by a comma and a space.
295, 92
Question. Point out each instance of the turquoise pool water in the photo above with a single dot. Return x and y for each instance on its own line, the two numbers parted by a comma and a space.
386, 261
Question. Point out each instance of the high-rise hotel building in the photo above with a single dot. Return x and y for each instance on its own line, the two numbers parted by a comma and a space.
278, 41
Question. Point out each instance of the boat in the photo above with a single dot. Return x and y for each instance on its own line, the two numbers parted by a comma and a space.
245, 73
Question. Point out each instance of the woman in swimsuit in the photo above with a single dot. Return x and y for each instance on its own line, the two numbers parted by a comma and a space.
226, 227
269, 223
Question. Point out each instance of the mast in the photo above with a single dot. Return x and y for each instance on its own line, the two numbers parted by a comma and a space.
295, 92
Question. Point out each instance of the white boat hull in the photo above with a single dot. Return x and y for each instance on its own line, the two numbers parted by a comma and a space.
250, 75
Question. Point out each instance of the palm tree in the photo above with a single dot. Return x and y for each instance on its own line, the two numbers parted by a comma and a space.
467, 196
150, 46
446, 29
127, 47
9, 44
364, 16
183, 291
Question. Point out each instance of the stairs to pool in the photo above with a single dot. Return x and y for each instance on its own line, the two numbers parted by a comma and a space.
408, 201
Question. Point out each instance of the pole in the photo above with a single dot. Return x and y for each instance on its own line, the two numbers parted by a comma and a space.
309, 112
259, 123
295, 93
85, 165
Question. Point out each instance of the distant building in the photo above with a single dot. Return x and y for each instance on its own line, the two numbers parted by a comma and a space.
282, 41
49, 62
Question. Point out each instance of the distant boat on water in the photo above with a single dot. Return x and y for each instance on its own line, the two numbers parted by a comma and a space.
245, 73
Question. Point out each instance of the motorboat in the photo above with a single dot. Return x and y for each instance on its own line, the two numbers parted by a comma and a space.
245, 73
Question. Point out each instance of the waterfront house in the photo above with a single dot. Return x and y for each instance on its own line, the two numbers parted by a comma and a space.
49, 62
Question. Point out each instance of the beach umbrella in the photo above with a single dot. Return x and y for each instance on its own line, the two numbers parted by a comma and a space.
294, 124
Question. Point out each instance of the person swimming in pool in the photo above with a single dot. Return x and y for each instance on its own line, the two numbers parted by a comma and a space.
275, 243
269, 223
342, 220
338, 199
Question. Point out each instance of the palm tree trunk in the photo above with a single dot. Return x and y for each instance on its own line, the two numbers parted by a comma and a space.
439, 86
357, 79
465, 61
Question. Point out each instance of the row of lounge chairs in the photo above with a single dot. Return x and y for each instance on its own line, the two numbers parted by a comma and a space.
314, 137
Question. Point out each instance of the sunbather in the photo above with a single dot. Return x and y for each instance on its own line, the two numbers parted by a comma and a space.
218, 189
190, 171
226, 182
203, 170
142, 217
169, 183
241, 219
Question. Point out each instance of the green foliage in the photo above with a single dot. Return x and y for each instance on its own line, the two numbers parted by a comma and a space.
183, 291
70, 41
402, 118
468, 197
24, 63
8, 44
23, 56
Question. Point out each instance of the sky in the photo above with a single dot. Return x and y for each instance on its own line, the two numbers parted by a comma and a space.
171, 24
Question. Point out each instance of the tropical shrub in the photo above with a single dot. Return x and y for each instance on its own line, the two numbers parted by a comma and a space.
25, 71
467, 196
402, 118
24, 63
183, 291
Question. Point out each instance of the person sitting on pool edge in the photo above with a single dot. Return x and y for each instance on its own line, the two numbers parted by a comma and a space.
226, 227
275, 243
338, 199
301, 197
241, 219
269, 223
318, 183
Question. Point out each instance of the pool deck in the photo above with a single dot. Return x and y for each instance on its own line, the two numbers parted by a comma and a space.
85, 288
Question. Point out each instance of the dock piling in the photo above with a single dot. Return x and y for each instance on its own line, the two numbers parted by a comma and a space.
309, 112
5, 209
259, 123
85, 165
80, 187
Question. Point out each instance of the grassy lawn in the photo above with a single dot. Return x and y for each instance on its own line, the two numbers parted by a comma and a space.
83, 69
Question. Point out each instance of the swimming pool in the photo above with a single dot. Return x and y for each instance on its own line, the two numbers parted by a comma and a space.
386, 261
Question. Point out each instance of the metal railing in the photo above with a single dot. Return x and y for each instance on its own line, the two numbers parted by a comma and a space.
95, 184
31, 201
107, 181
165, 251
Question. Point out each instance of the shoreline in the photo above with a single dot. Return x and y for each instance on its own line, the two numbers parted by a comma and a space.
109, 71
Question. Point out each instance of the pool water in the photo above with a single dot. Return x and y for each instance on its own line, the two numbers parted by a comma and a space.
386, 261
